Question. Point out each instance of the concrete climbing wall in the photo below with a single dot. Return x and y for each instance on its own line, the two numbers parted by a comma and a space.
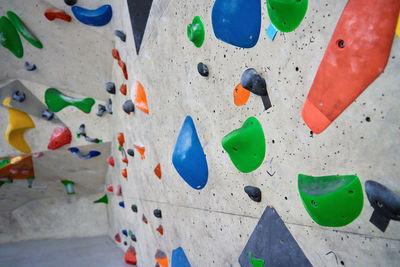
214, 224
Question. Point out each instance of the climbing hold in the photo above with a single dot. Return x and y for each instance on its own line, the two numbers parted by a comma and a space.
47, 114
52, 14
100, 110
246, 145
23, 30
70, 2
111, 161
253, 192
273, 242
332, 201
161, 258
128, 106
82, 132
121, 139
130, 256
253, 82
124, 173
120, 34
123, 89
110, 188
271, 31
144, 219
61, 136
97, 17
237, 22
115, 54
141, 150
109, 106
398, 27
179, 258
240, 95
123, 68
37, 154
77, 153
385, 202
134, 208
160, 229
10, 38
256, 262
195, 31
121, 204
188, 157
139, 12
110, 88
130, 152
287, 15
69, 186
56, 101
202, 69
18, 96
6, 101
363, 37
133, 237
29, 67
157, 171
117, 238
103, 199
157, 213
123, 156
16, 168
125, 232
140, 97
119, 191
18, 123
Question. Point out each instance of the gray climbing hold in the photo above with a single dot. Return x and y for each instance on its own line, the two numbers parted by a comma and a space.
100, 110
70, 2
157, 213
18, 96
110, 88
29, 67
134, 208
109, 106
130, 152
47, 114
253, 192
202, 69
120, 34
128, 106
253, 82
82, 132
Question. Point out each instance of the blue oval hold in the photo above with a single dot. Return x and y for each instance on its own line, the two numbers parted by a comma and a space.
96, 17
237, 22
179, 258
188, 157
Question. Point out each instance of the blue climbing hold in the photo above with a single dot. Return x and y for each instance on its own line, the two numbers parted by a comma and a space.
237, 22
124, 232
179, 258
77, 153
188, 157
121, 204
96, 17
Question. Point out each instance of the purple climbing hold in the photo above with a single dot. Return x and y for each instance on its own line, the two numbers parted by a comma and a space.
29, 67
18, 96
77, 153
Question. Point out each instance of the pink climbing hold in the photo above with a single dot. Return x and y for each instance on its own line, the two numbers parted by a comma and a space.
119, 191
60, 136
111, 161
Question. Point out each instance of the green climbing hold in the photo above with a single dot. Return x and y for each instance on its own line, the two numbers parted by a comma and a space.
332, 201
4, 162
195, 31
256, 262
56, 101
103, 199
69, 186
246, 145
9, 37
23, 30
286, 15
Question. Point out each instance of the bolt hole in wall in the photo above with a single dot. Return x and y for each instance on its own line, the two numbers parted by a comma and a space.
351, 192
380, 205
314, 203
340, 43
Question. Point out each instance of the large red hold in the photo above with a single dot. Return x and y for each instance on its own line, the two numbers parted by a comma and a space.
60, 136
130, 256
52, 14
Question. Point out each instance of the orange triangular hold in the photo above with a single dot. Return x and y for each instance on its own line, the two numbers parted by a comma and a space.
125, 173
141, 150
122, 89
240, 95
160, 229
130, 256
157, 171
140, 100
161, 258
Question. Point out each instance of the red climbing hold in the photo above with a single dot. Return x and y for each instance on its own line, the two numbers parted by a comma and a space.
122, 89
123, 67
160, 229
52, 14
110, 188
125, 173
119, 191
117, 238
157, 171
144, 219
130, 256
115, 54
111, 161
121, 139
60, 136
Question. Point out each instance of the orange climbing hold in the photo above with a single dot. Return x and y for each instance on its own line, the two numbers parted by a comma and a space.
130, 256
157, 171
121, 139
160, 229
161, 258
240, 95
122, 89
124, 173
20, 167
123, 67
140, 99
111, 161
141, 150
52, 14
115, 54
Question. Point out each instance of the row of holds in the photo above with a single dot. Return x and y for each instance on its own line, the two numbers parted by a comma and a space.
178, 259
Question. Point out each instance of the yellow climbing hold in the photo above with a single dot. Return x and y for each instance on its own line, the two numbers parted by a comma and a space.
19, 121
6, 101
398, 27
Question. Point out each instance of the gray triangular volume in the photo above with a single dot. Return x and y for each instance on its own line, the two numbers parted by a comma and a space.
139, 11
273, 242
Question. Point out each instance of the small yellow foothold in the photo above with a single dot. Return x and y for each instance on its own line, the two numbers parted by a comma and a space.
19, 121
6, 101
398, 27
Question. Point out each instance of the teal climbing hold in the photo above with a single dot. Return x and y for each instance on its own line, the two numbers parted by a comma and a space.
23, 30
56, 101
9, 37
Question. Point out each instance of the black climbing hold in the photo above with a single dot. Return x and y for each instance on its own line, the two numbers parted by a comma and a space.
100, 110
109, 106
110, 88
253, 192
92, 140
125, 243
70, 2
29, 67
253, 82
157, 213
81, 131
47, 114
385, 202
139, 11
134, 208
202, 69
128, 106
130, 152
18, 96
120, 34
133, 237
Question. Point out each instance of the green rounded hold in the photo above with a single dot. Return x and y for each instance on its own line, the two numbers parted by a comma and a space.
23, 30
246, 145
9, 37
332, 201
286, 15
195, 31
56, 101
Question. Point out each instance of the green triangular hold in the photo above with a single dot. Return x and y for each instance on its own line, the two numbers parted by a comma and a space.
103, 199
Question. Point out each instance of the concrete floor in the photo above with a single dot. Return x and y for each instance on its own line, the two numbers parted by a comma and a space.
83, 252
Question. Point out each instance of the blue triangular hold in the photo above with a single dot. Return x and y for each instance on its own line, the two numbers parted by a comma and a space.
179, 258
